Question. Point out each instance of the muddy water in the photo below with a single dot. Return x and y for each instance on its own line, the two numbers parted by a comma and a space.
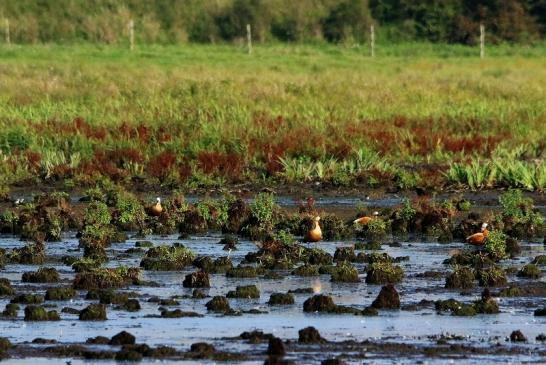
419, 327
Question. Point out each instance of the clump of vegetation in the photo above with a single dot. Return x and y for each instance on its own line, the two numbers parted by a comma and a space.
5, 288
5, 345
10, 311
246, 292
104, 278
128, 212
539, 260
60, 294
131, 305
242, 272
317, 256
218, 304
221, 265
167, 258
519, 217
97, 231
517, 336
306, 270
310, 335
263, 211
229, 242
334, 228
177, 313
319, 303
281, 299
511, 291
238, 213
38, 313
387, 298
530, 271
107, 296
199, 279
495, 245
462, 277
85, 264
344, 254
383, 273
486, 305
344, 272
42, 275
492, 276
27, 299
375, 230
122, 338
30, 254
144, 244
465, 310
374, 257
93, 312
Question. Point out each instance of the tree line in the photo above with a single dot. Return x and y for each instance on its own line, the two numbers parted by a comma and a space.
214, 21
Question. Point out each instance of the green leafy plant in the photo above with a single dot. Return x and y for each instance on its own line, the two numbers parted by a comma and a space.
495, 245
407, 212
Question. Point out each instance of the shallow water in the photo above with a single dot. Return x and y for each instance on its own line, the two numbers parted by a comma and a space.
414, 327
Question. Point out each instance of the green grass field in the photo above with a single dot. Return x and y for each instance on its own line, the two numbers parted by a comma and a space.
212, 115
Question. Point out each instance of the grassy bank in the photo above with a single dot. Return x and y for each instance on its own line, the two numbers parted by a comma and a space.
199, 116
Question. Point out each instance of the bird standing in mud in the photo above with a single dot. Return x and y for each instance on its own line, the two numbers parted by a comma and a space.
479, 238
156, 209
315, 233
365, 220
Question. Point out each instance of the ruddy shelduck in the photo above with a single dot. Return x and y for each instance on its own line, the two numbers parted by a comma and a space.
156, 209
315, 233
479, 238
365, 220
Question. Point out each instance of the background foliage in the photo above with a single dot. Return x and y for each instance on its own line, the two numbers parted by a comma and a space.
173, 21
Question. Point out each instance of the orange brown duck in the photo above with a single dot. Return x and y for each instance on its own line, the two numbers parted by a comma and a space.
156, 209
315, 233
365, 220
478, 239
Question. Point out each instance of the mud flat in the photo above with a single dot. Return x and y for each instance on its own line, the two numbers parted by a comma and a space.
203, 296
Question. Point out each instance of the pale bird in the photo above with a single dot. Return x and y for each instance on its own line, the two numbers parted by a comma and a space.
156, 209
366, 219
315, 233
317, 287
479, 238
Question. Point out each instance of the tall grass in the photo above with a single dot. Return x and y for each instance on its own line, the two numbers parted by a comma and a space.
209, 115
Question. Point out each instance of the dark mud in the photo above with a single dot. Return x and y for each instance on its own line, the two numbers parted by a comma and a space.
165, 314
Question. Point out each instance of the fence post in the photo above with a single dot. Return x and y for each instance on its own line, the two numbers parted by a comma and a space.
8, 40
482, 41
131, 35
372, 40
249, 38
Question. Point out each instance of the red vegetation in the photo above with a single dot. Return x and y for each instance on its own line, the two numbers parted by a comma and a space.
423, 142
184, 171
160, 165
224, 164
33, 160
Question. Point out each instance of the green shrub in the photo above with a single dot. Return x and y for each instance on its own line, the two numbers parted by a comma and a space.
407, 212
167, 258
344, 272
246, 292
462, 277
492, 276
38, 313
495, 245
384, 273
530, 271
